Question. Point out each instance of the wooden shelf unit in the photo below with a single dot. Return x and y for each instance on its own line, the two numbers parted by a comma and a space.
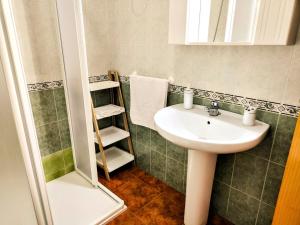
114, 157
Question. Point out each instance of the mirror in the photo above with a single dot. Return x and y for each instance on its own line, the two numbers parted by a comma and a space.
233, 22
221, 20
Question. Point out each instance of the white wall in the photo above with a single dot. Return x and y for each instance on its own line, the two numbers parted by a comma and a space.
38, 32
130, 35
139, 42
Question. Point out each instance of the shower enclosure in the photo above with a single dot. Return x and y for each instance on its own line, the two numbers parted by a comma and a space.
77, 197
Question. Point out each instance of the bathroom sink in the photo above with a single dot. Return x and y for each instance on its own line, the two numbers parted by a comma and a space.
195, 129
205, 136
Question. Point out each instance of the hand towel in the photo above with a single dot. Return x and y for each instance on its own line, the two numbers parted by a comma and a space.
147, 96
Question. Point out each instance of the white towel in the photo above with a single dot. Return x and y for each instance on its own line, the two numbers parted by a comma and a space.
147, 96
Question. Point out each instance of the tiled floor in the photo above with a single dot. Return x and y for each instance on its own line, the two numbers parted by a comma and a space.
149, 201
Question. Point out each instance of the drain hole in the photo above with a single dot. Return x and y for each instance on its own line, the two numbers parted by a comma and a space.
208, 122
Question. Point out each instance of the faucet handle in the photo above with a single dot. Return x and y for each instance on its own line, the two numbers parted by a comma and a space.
214, 104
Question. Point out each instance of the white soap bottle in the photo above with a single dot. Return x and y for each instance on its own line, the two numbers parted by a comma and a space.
249, 116
188, 98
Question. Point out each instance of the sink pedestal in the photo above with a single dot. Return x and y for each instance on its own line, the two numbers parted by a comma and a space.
200, 176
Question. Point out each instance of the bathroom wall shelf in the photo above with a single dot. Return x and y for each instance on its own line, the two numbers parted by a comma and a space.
113, 157
108, 110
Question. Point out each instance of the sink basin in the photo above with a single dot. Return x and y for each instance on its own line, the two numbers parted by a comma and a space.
205, 136
195, 129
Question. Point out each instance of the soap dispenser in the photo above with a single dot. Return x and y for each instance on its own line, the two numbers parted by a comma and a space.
249, 116
188, 98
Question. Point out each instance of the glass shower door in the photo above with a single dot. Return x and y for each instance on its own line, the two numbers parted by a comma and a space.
77, 86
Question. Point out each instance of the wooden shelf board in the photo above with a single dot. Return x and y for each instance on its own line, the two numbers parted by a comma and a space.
115, 158
108, 110
97, 86
111, 135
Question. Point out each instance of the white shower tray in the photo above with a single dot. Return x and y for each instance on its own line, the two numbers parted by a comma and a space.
74, 201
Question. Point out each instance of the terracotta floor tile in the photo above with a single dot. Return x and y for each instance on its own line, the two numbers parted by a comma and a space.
117, 180
136, 194
149, 201
126, 218
161, 211
174, 195
137, 171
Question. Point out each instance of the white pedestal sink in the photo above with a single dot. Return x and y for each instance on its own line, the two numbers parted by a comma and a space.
205, 137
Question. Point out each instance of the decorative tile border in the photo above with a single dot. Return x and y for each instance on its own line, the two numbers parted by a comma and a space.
99, 78
42, 86
275, 107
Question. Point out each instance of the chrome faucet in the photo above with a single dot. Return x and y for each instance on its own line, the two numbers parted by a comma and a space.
213, 109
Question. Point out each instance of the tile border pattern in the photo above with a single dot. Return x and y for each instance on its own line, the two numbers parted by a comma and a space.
269, 106
42, 86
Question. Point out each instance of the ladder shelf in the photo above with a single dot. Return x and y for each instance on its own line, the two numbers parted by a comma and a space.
113, 157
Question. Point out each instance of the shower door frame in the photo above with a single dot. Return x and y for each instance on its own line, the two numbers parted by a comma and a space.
15, 77
15, 74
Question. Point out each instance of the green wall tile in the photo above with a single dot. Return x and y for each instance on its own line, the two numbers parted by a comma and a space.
53, 163
201, 101
158, 143
175, 174
264, 148
249, 174
101, 98
231, 107
69, 169
220, 195
174, 99
224, 168
143, 156
143, 135
58, 164
175, 182
265, 215
64, 132
48, 138
158, 165
43, 107
53, 176
242, 209
106, 122
60, 103
123, 144
126, 96
176, 152
283, 139
273, 182
68, 157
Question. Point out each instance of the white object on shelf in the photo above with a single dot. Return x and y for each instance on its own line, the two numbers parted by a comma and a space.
108, 110
115, 158
103, 85
111, 135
